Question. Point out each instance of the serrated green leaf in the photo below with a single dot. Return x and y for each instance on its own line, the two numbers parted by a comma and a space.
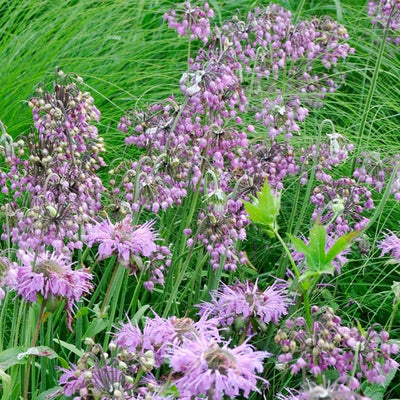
317, 243
81, 312
265, 209
341, 244
301, 247
319, 262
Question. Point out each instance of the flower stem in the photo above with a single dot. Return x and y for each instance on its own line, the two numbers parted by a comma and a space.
304, 287
33, 343
392, 316
108, 292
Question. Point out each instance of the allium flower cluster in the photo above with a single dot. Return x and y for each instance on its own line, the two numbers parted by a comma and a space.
386, 13
50, 277
323, 157
51, 185
105, 375
376, 172
275, 161
220, 225
280, 116
7, 275
341, 203
266, 42
330, 345
187, 18
212, 369
247, 307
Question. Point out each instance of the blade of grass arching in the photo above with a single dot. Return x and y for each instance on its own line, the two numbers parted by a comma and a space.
339, 11
371, 91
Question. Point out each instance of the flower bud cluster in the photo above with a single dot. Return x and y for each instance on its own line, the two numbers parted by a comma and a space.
376, 171
330, 345
341, 204
51, 186
187, 18
109, 375
386, 13
323, 157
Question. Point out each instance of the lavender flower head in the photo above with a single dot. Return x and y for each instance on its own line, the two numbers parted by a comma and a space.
50, 276
245, 301
322, 391
390, 244
161, 334
208, 368
121, 239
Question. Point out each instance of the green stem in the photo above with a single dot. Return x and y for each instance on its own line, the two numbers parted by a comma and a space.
33, 343
133, 304
108, 292
297, 274
392, 316
178, 281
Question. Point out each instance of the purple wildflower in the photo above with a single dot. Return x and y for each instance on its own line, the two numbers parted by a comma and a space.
193, 19
246, 301
386, 13
122, 239
331, 345
8, 275
50, 276
160, 334
322, 391
210, 369
391, 245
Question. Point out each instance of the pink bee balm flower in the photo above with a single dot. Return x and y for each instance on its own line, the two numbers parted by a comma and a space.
207, 368
122, 239
390, 244
246, 301
50, 276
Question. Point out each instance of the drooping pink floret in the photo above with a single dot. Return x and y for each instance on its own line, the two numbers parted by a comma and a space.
246, 300
212, 369
50, 276
122, 239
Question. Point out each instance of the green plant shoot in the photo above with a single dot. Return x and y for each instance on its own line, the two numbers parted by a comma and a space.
265, 209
